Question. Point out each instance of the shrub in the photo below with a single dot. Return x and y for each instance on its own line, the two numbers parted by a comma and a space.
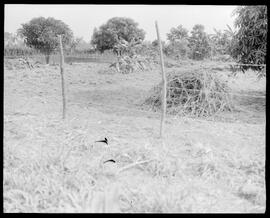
177, 49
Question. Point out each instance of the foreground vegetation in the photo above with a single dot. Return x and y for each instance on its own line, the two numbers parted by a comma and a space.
54, 165
213, 156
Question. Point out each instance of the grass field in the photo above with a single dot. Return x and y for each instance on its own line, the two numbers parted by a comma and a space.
213, 165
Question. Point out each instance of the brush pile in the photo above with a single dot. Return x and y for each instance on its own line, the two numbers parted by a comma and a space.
197, 93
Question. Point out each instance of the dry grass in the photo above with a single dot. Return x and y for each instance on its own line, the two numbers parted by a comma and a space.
197, 93
51, 165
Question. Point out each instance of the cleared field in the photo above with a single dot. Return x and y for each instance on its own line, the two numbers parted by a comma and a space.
53, 165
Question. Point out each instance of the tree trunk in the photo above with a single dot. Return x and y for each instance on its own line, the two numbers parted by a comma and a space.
47, 58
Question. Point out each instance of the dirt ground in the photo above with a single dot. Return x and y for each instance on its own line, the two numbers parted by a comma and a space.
211, 165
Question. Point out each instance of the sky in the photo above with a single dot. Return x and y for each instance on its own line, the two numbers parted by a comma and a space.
82, 19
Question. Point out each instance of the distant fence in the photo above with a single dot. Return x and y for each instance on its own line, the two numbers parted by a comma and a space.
54, 58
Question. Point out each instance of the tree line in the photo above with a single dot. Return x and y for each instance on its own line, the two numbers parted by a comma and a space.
246, 45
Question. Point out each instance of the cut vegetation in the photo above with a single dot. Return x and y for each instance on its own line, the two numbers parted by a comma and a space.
197, 93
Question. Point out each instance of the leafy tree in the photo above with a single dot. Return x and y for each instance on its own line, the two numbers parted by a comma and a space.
221, 41
41, 34
177, 49
79, 46
178, 33
198, 43
250, 40
177, 46
231, 37
74, 43
108, 35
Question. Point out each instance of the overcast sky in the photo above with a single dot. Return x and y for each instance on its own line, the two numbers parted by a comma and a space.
83, 18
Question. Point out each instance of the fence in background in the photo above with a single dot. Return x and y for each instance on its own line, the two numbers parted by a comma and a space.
55, 59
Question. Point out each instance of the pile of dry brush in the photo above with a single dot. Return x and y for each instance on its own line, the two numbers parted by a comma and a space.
197, 93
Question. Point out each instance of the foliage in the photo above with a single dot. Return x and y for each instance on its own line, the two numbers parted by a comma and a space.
154, 47
80, 46
155, 43
148, 50
250, 41
231, 37
198, 43
124, 47
107, 36
178, 33
15, 46
220, 42
127, 59
178, 43
177, 49
9, 39
41, 34
74, 43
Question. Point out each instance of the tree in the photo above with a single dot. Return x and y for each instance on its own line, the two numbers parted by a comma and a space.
198, 43
108, 35
74, 43
177, 46
177, 49
251, 37
221, 41
41, 34
178, 33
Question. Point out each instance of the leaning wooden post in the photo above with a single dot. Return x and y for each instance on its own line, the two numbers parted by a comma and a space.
62, 76
164, 83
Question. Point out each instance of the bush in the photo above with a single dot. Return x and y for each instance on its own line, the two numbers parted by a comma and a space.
177, 49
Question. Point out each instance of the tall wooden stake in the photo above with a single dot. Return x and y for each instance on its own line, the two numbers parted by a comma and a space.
164, 82
62, 76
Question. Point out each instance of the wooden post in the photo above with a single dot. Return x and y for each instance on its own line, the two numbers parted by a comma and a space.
62, 76
164, 83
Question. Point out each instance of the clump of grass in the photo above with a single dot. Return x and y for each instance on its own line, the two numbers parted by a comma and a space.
198, 93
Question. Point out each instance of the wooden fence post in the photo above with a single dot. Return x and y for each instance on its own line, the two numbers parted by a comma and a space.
62, 76
164, 83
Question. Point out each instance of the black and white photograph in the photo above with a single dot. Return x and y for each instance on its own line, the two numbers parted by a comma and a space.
121, 108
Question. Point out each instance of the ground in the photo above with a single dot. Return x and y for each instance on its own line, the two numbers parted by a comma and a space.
52, 165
